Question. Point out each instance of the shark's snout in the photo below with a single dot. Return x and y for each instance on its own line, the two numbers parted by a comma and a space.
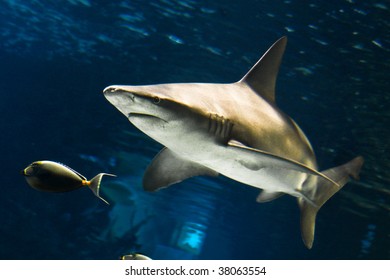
117, 92
118, 89
112, 90
109, 89
121, 98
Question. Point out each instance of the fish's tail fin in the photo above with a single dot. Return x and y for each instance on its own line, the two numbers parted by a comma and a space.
324, 190
94, 184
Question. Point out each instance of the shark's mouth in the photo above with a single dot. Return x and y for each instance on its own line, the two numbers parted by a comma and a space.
144, 116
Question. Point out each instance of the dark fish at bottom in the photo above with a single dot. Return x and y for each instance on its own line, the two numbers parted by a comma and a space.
51, 176
135, 256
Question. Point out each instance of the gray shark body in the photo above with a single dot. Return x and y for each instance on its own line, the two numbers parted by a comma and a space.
235, 130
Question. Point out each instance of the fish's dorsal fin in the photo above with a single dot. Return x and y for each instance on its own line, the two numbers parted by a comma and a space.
261, 78
72, 170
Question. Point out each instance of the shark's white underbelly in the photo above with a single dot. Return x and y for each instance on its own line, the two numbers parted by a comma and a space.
246, 169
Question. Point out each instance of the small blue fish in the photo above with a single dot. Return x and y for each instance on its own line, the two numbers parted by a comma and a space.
51, 176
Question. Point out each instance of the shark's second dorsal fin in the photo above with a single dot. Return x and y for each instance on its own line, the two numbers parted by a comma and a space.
262, 76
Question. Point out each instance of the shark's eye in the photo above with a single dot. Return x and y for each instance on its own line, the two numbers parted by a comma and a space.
156, 100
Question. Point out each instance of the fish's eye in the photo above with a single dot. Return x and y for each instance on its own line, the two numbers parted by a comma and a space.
156, 100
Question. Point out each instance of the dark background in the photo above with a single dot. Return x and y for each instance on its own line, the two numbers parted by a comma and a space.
55, 60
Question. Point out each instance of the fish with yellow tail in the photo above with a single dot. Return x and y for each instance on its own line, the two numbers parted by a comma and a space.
50, 176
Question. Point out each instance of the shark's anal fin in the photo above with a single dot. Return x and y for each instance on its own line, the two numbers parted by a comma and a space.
263, 159
220, 127
168, 168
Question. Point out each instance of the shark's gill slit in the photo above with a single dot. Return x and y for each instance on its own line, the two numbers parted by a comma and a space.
212, 124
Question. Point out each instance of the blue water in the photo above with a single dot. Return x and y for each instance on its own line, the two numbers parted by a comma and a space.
57, 57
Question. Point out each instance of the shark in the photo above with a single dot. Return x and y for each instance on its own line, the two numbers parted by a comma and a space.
235, 130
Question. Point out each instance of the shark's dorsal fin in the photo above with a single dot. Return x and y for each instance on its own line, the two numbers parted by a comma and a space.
262, 76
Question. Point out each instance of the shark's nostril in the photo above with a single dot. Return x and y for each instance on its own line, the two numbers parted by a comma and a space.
109, 89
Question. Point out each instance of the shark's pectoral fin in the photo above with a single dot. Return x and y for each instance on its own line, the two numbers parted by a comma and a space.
168, 168
255, 159
266, 196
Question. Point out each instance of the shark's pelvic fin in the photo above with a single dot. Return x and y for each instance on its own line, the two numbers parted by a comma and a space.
323, 191
275, 161
266, 196
262, 76
168, 168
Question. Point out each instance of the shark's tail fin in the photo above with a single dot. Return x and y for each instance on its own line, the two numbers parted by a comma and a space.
322, 192
94, 184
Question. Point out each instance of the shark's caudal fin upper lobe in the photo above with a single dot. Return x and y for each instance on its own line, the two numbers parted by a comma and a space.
323, 191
